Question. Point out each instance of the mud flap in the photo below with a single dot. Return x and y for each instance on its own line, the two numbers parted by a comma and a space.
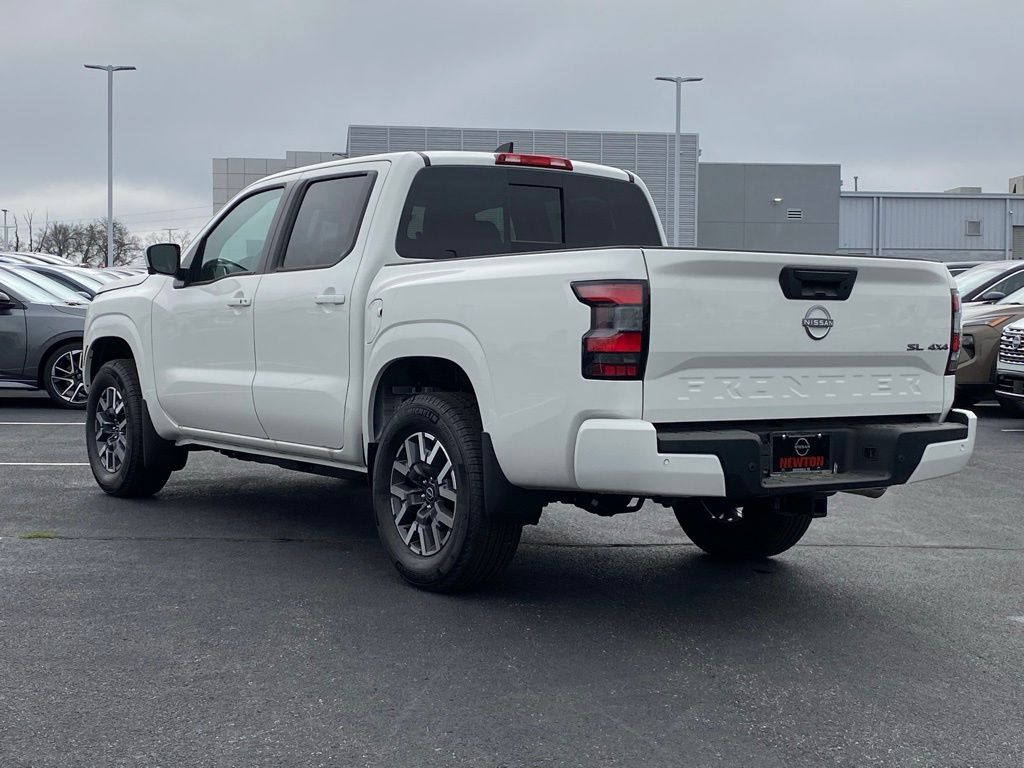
501, 498
155, 449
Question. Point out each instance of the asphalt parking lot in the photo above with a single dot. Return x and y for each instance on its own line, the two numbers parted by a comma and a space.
247, 616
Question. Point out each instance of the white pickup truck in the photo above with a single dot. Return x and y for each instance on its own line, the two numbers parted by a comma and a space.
483, 333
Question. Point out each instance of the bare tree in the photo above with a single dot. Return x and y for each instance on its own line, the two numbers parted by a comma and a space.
180, 236
29, 217
60, 239
41, 234
87, 243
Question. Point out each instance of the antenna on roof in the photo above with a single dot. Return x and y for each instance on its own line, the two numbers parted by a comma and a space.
506, 147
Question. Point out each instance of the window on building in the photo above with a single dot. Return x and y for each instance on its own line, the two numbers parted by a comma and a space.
973, 227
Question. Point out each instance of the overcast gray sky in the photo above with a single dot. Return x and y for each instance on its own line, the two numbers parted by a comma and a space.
910, 95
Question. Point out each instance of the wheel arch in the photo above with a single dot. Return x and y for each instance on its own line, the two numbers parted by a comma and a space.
109, 337
442, 355
105, 349
403, 377
49, 348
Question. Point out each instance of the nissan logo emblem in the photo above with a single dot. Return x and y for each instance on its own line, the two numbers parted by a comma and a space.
817, 322
802, 446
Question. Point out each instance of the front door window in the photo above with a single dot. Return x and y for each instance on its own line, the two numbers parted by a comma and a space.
235, 245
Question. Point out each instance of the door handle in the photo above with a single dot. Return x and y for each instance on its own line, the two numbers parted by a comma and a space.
239, 301
330, 298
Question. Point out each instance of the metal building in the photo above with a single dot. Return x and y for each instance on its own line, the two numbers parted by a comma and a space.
946, 226
744, 206
769, 207
648, 155
233, 174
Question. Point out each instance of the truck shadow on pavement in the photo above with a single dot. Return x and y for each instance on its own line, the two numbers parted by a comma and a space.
671, 578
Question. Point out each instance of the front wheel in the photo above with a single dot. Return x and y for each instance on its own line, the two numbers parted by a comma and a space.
428, 496
754, 530
116, 431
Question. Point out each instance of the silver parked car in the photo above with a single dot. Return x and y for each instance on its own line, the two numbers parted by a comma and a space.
41, 340
77, 279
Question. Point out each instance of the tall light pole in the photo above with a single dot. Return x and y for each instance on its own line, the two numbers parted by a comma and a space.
679, 120
6, 241
110, 69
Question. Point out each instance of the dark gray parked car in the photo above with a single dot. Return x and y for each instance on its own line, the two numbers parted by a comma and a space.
40, 341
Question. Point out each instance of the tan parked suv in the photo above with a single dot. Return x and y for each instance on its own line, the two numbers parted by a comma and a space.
982, 327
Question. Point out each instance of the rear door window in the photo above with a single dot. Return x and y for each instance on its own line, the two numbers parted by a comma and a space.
327, 222
458, 211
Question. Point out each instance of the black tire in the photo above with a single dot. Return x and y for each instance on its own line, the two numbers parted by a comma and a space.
1012, 408
475, 548
755, 530
136, 475
67, 376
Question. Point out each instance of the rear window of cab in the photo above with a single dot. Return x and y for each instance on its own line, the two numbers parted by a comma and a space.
460, 211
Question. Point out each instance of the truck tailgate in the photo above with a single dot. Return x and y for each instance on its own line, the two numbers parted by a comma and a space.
728, 344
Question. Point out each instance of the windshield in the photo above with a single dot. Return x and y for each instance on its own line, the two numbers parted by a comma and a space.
977, 276
49, 285
454, 211
27, 290
57, 261
82, 278
1017, 297
103, 277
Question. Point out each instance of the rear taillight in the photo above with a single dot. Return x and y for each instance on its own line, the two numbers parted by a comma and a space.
534, 161
615, 347
954, 334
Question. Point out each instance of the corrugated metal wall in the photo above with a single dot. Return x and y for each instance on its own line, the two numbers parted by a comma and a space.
934, 225
648, 155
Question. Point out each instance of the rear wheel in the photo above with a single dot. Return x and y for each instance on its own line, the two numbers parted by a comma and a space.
116, 431
754, 530
428, 496
62, 376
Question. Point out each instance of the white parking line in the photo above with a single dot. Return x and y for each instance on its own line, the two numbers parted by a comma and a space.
1013, 430
42, 423
44, 463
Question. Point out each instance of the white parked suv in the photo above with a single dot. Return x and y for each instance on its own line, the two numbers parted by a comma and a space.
482, 333
1010, 369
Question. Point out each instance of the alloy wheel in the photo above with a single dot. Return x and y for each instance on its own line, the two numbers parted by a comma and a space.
67, 379
424, 492
111, 435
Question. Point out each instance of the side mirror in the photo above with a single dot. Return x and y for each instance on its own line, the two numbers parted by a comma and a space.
6, 302
993, 296
163, 258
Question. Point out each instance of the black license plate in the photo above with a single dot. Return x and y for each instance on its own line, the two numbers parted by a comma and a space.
801, 452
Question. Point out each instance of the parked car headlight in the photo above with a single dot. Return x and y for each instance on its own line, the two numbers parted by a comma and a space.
991, 322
